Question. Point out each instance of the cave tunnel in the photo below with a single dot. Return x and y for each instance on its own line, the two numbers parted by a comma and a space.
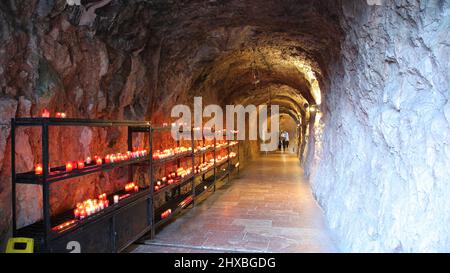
362, 90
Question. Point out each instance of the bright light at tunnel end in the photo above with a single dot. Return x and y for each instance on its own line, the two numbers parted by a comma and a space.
263, 123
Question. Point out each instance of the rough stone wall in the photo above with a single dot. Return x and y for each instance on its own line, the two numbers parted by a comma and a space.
381, 171
46, 61
110, 64
383, 176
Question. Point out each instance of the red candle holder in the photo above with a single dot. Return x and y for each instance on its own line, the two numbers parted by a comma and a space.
80, 164
45, 113
38, 169
124, 196
83, 214
166, 213
99, 161
69, 166
102, 196
77, 213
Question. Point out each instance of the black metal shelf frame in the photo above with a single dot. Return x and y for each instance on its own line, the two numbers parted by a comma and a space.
116, 212
42, 230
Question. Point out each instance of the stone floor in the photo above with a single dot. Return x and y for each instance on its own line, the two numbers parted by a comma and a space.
269, 207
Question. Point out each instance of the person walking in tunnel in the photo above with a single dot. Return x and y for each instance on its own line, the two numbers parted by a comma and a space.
286, 140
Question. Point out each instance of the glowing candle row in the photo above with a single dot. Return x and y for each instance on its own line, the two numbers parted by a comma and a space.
110, 158
60, 115
203, 148
203, 167
64, 225
46, 114
181, 172
138, 153
170, 152
91, 206
221, 144
170, 178
131, 187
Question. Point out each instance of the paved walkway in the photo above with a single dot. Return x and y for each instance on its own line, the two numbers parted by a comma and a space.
269, 207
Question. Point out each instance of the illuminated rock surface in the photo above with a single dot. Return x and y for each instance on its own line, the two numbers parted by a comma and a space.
379, 166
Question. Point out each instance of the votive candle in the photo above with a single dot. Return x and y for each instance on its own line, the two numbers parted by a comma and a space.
69, 166
45, 113
38, 169
80, 164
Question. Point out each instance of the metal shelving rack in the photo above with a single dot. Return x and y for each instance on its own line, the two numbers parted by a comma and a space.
116, 227
49, 240
197, 190
176, 186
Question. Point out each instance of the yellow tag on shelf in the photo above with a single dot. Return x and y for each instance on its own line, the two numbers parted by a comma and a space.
20, 245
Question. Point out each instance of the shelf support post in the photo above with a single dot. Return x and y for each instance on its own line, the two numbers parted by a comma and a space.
193, 165
13, 175
45, 185
152, 184
214, 183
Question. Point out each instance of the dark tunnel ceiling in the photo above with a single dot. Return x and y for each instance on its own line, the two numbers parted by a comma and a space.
219, 46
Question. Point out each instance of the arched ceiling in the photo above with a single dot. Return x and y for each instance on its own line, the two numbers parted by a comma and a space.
291, 113
229, 49
261, 66
270, 93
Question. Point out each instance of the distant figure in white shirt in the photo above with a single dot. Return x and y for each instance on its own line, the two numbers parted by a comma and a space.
286, 140
281, 142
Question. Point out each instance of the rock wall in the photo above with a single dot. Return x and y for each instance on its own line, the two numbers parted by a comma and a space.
90, 61
382, 173
48, 61
377, 158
